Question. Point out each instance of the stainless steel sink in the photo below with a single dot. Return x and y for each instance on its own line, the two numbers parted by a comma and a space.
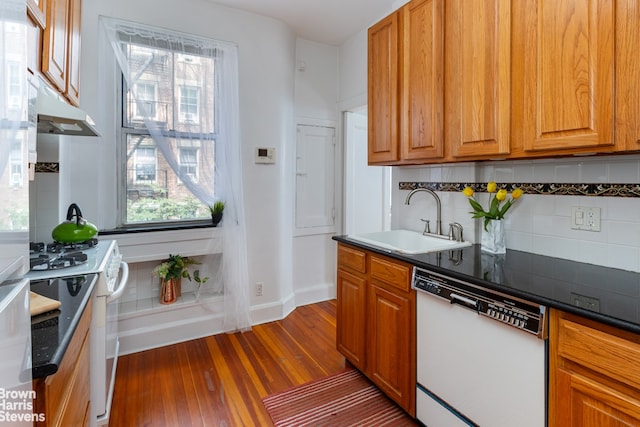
408, 242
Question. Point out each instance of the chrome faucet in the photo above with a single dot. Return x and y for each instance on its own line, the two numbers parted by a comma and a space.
455, 232
438, 211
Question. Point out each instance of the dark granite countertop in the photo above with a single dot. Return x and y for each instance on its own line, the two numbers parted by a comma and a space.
607, 295
51, 332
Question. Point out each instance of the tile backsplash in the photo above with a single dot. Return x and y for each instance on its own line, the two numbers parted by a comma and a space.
540, 221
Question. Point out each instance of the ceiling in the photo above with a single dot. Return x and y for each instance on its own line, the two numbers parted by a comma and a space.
325, 21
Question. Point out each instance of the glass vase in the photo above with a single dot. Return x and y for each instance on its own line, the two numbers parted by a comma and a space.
493, 238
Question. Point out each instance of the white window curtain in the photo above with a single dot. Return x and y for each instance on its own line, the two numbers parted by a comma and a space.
219, 132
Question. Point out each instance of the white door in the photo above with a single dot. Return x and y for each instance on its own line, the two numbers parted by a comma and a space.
315, 178
367, 198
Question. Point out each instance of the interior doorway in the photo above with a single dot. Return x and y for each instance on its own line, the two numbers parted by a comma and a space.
367, 189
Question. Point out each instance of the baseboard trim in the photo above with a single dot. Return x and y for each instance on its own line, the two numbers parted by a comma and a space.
192, 321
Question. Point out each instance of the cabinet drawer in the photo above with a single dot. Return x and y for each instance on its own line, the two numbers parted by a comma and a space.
393, 273
600, 351
352, 258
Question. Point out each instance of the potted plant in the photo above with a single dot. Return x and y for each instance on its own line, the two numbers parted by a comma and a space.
171, 272
216, 212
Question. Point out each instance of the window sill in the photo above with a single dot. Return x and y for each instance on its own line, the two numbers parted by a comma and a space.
143, 246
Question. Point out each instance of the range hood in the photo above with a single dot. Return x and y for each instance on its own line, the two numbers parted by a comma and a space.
56, 116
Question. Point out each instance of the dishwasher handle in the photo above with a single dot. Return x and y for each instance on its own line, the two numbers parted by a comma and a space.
463, 301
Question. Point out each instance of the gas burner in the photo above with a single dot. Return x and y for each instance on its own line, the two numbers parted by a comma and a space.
36, 247
59, 248
78, 246
44, 262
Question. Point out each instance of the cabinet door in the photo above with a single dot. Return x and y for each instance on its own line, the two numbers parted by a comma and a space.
588, 403
478, 77
36, 10
628, 74
389, 342
73, 64
383, 55
569, 74
54, 43
422, 80
350, 317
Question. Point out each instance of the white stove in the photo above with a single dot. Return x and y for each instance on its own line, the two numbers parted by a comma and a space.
103, 258
97, 257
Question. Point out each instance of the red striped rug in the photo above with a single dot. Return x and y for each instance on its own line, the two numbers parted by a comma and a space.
340, 400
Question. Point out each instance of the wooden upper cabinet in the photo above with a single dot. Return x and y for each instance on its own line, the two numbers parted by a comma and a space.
461, 80
569, 74
422, 101
61, 47
55, 44
36, 10
406, 69
478, 78
628, 75
383, 95
72, 89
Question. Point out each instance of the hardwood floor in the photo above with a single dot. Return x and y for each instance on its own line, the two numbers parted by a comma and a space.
221, 380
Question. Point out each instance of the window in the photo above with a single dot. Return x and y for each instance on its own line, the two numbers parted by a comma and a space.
14, 85
170, 59
145, 164
167, 135
16, 179
189, 110
189, 162
146, 100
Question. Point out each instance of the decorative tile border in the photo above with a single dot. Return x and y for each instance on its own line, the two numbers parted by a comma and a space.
599, 190
51, 167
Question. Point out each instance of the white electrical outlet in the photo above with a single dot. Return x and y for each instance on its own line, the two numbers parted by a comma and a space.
259, 286
584, 218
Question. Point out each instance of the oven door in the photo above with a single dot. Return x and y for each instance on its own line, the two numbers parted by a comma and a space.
107, 347
473, 370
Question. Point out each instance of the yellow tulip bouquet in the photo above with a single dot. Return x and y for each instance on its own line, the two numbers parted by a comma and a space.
496, 211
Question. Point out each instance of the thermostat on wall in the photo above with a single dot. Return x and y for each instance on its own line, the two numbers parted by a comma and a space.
265, 155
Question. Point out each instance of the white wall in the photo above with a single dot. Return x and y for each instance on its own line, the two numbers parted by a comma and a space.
266, 66
316, 94
353, 72
539, 223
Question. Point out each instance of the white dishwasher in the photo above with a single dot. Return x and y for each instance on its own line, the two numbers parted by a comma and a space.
481, 355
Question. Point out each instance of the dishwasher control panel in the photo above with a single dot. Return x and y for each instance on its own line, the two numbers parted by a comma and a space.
513, 311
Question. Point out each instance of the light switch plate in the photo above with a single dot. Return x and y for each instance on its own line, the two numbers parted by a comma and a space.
585, 218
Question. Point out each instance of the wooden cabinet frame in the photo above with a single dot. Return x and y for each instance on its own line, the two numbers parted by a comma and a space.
376, 321
594, 374
38, 12
522, 79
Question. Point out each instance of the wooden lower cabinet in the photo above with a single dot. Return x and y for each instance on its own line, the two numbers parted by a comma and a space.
351, 317
64, 397
594, 374
389, 344
376, 321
